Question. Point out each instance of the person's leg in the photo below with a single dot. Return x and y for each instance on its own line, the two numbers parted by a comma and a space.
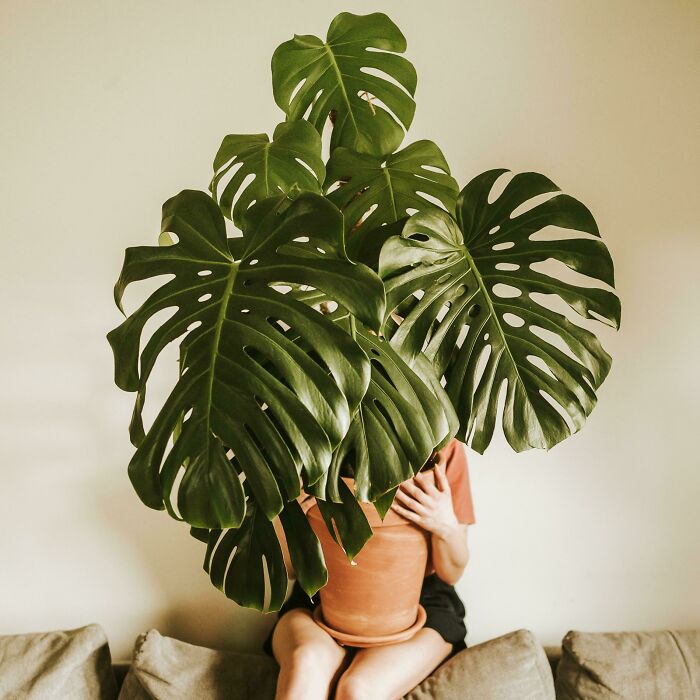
310, 659
389, 672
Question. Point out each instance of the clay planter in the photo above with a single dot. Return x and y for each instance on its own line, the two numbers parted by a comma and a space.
374, 600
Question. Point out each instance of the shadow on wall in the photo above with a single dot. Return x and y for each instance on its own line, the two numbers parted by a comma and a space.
181, 602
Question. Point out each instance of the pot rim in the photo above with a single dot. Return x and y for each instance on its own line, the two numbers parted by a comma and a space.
395, 519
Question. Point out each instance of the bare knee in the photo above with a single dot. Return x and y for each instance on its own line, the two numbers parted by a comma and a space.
299, 639
354, 685
315, 657
301, 647
309, 666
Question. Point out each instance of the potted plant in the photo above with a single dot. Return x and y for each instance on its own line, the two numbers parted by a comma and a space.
338, 322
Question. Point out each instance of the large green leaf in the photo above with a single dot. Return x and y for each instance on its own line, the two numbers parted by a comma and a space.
304, 549
346, 518
238, 560
366, 247
292, 158
340, 75
444, 283
401, 419
244, 385
248, 589
374, 192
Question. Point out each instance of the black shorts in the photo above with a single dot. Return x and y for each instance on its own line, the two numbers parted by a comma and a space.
444, 608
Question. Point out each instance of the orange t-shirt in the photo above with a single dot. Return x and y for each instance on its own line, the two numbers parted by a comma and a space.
457, 474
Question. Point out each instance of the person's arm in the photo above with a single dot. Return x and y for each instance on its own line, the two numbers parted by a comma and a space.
427, 501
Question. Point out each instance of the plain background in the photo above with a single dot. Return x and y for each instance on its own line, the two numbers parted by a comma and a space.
107, 109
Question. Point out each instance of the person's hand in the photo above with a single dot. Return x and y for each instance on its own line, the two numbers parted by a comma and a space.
427, 501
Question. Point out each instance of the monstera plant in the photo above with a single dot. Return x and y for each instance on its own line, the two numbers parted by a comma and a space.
349, 317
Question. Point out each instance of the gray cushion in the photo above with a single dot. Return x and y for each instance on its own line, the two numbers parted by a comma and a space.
634, 665
73, 664
512, 667
167, 669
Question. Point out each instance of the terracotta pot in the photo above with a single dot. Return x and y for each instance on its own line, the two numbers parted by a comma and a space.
377, 595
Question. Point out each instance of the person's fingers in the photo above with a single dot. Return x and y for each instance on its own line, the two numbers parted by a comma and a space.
408, 514
441, 477
412, 489
410, 502
426, 481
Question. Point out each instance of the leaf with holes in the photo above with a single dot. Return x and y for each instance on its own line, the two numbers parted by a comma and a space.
345, 75
244, 385
237, 560
465, 294
373, 192
244, 581
401, 419
404, 415
291, 159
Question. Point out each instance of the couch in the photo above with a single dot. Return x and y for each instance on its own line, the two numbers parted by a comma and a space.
76, 665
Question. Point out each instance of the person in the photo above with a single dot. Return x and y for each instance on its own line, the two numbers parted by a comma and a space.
312, 664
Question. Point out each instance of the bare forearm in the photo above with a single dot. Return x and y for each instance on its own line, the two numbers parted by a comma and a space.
427, 501
450, 552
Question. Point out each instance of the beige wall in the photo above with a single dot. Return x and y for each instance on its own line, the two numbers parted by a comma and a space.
108, 108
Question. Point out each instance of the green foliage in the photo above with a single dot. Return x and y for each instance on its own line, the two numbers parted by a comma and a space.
346, 517
291, 160
291, 407
374, 192
312, 78
236, 560
398, 424
304, 549
444, 277
361, 316
239, 559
